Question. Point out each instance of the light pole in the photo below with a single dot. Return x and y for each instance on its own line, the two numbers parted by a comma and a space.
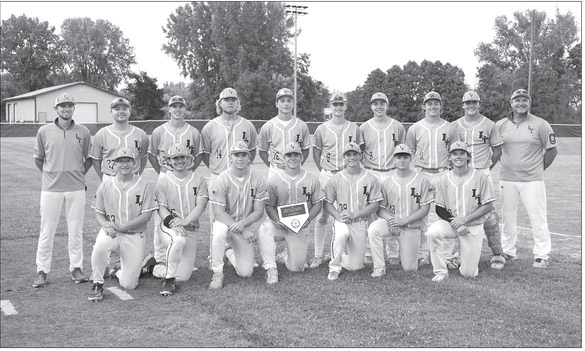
296, 10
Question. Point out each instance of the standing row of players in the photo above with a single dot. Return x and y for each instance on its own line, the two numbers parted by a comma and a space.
378, 139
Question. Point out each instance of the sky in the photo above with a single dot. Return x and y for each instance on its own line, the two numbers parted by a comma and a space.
346, 40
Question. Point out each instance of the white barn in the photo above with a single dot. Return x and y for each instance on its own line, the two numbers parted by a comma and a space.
92, 104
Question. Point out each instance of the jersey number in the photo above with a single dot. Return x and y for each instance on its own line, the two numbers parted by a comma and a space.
111, 218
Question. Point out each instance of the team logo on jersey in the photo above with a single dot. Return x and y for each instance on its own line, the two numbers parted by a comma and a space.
485, 138
78, 138
350, 137
252, 193
530, 129
367, 193
445, 140
552, 138
194, 191
138, 202
244, 138
394, 139
307, 193
415, 195
476, 196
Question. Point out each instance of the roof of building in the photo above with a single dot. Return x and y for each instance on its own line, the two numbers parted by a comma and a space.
53, 88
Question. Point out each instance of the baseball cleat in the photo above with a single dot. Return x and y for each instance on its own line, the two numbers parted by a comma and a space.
216, 281
281, 257
168, 287
41, 280
271, 276
509, 257
97, 292
540, 263
195, 269
148, 265
78, 276
497, 262
378, 272
453, 262
438, 278
394, 261
115, 270
423, 262
368, 261
333, 275
316, 262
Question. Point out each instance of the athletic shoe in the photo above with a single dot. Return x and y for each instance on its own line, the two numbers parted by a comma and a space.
333, 275
394, 261
497, 262
540, 263
97, 292
114, 270
379, 272
423, 262
509, 257
216, 281
41, 280
454, 262
78, 276
438, 278
168, 286
368, 261
195, 269
107, 272
271, 276
148, 265
281, 257
316, 262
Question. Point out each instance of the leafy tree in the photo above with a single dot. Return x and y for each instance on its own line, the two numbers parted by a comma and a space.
146, 97
556, 63
30, 52
9, 87
97, 52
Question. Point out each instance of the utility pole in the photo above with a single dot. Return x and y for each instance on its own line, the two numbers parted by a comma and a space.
296, 10
530, 59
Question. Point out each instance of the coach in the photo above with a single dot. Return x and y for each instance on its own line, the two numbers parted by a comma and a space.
62, 155
529, 148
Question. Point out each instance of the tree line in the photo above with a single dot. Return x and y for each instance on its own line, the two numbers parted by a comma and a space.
245, 45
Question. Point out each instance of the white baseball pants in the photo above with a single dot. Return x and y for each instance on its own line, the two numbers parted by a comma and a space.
51, 206
322, 218
408, 241
180, 255
131, 248
296, 245
160, 249
392, 250
350, 238
243, 260
441, 236
533, 196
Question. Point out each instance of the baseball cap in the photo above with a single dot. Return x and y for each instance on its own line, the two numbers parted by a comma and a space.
520, 92
470, 96
379, 96
228, 93
63, 98
177, 150
432, 95
284, 92
124, 152
292, 148
119, 101
351, 146
402, 149
338, 97
239, 146
177, 99
458, 145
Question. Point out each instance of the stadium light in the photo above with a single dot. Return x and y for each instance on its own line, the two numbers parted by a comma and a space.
296, 10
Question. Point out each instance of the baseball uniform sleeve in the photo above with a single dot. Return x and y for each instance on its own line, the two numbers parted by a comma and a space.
205, 138
384, 202
376, 192
306, 137
411, 138
97, 146
219, 191
264, 137
149, 204
261, 193
253, 136
487, 192
39, 152
317, 138
439, 192
154, 142
358, 136
197, 148
426, 194
317, 191
401, 133
547, 135
98, 202
330, 189
203, 188
272, 191
495, 136
161, 193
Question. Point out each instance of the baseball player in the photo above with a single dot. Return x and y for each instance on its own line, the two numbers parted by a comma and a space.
429, 140
182, 197
463, 198
407, 200
123, 206
381, 134
120, 134
292, 186
357, 195
62, 155
238, 196
328, 143
281, 130
484, 141
176, 130
529, 148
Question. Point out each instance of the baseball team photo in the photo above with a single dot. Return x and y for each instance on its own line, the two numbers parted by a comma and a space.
261, 174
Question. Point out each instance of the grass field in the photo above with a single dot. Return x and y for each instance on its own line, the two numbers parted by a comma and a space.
517, 307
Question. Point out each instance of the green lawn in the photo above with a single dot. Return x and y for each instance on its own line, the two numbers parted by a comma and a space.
517, 307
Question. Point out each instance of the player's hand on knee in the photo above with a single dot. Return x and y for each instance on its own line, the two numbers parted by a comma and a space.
110, 231
249, 236
237, 228
180, 230
457, 222
462, 230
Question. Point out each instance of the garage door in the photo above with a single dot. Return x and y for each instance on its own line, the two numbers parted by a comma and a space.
85, 112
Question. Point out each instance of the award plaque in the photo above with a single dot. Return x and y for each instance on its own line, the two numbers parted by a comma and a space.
293, 216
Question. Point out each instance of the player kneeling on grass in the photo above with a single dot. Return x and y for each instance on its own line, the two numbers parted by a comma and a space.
358, 195
293, 186
463, 199
407, 200
237, 196
123, 206
182, 197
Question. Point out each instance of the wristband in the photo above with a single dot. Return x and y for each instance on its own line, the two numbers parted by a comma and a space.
167, 221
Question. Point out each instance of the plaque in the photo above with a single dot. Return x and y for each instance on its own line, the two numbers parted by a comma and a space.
293, 216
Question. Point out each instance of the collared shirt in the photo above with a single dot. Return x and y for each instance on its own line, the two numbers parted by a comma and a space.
480, 139
524, 145
274, 136
63, 152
